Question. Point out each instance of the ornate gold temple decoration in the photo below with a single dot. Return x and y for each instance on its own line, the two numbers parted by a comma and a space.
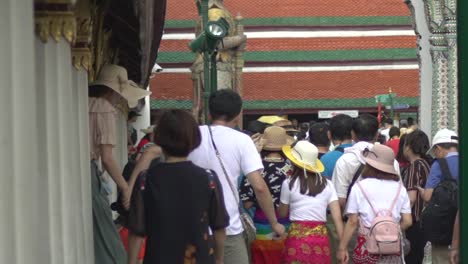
83, 30
55, 24
81, 50
81, 58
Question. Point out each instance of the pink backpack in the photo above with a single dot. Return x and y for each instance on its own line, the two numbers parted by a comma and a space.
384, 237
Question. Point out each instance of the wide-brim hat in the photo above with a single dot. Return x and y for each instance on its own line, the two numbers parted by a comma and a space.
380, 157
274, 138
271, 119
443, 136
286, 124
115, 77
304, 155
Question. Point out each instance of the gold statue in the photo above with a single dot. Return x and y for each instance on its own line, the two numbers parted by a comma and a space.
227, 57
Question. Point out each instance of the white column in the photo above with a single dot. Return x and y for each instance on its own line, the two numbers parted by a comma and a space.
425, 64
144, 120
45, 196
84, 228
64, 158
21, 218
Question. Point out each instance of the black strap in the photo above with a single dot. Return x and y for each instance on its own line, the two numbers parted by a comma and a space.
355, 177
340, 149
446, 174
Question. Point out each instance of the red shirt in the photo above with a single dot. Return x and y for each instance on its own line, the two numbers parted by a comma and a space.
395, 145
142, 143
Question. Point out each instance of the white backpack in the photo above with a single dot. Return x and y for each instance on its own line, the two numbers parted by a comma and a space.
384, 237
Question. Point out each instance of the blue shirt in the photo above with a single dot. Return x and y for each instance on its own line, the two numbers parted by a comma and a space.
330, 158
435, 175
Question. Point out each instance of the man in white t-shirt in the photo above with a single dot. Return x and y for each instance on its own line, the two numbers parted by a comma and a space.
388, 123
240, 157
364, 132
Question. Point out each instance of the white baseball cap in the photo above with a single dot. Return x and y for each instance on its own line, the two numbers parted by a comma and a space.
443, 136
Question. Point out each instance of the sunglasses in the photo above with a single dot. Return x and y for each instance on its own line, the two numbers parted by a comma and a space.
367, 151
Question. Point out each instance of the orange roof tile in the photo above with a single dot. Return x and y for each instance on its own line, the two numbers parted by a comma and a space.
177, 86
329, 85
183, 9
300, 85
310, 44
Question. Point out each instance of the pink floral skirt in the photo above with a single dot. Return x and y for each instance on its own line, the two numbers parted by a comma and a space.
307, 243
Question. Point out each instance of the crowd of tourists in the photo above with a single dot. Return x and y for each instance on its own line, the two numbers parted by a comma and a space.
340, 191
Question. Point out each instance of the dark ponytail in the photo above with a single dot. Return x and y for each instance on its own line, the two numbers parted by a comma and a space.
313, 185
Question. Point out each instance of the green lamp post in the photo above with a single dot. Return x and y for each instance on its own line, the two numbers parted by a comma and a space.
206, 43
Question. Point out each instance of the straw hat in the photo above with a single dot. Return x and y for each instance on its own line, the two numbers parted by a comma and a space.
381, 158
270, 119
304, 155
274, 138
148, 130
115, 77
286, 124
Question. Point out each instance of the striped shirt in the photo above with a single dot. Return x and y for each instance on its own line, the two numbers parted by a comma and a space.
102, 125
416, 175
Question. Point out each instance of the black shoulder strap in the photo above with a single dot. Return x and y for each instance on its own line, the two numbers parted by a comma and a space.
355, 177
446, 174
340, 149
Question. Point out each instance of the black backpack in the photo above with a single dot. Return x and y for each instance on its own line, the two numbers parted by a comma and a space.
438, 217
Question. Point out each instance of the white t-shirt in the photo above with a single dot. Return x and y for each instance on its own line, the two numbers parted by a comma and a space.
303, 207
348, 164
240, 157
381, 193
386, 132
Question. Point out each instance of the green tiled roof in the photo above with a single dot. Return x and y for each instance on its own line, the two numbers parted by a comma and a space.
323, 103
309, 21
171, 104
292, 104
301, 56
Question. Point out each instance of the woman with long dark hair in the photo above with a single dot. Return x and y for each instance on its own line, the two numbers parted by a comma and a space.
111, 88
306, 195
415, 148
400, 157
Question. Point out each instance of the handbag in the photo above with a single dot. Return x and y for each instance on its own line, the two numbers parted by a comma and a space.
250, 231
